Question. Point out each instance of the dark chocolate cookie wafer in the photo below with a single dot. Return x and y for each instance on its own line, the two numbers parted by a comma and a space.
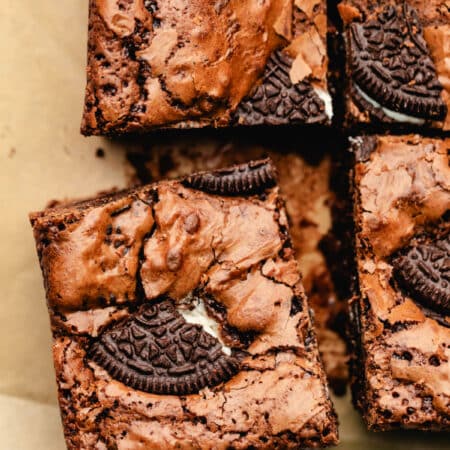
424, 270
243, 179
391, 64
277, 101
157, 351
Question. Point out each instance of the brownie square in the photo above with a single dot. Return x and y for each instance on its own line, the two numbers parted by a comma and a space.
165, 63
401, 314
179, 318
304, 176
397, 69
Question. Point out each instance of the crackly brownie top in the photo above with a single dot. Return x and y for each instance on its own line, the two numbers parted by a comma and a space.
424, 270
179, 62
183, 299
403, 202
398, 57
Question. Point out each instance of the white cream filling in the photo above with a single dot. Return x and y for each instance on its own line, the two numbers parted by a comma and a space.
326, 98
398, 117
199, 316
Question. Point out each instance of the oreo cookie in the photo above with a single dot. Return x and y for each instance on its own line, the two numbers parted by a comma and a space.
279, 102
390, 63
155, 350
250, 178
423, 269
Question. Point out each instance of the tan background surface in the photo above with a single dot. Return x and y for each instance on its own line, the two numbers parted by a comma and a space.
43, 157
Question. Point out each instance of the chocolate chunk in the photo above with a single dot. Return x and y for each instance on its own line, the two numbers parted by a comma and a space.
156, 350
424, 270
390, 62
243, 179
279, 102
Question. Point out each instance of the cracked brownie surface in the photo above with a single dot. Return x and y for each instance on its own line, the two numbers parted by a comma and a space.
400, 324
180, 63
179, 320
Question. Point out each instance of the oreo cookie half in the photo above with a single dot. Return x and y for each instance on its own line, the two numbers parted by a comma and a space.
279, 102
390, 63
157, 351
424, 271
243, 179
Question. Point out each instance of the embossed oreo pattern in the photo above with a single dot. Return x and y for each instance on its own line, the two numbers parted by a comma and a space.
277, 101
390, 62
157, 351
244, 179
424, 270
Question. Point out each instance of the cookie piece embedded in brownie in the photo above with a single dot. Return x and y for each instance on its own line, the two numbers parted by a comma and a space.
396, 74
187, 64
178, 316
401, 323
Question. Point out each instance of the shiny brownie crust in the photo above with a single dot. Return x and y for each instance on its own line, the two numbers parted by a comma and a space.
189, 64
123, 270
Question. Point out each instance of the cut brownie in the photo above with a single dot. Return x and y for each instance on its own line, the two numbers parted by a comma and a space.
304, 173
185, 64
397, 62
179, 318
401, 317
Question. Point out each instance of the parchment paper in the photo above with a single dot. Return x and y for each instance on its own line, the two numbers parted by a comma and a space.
43, 157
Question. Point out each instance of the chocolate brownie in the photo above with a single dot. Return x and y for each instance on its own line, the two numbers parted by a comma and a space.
400, 316
304, 173
185, 64
179, 318
398, 70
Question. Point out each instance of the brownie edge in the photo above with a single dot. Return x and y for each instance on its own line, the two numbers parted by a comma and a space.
205, 338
